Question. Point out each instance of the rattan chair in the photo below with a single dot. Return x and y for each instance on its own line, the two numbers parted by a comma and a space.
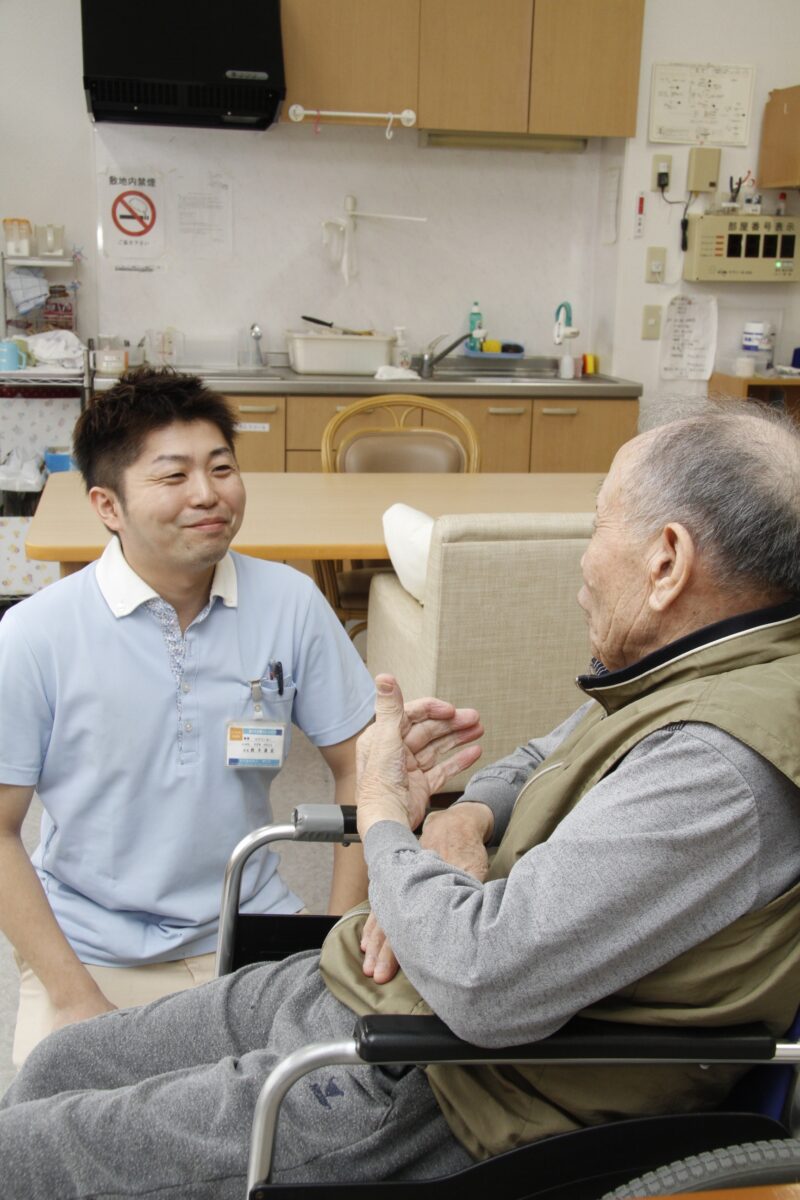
397, 445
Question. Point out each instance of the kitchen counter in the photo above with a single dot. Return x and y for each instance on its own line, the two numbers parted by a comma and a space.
283, 381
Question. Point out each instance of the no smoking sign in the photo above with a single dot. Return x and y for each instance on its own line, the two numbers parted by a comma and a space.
133, 213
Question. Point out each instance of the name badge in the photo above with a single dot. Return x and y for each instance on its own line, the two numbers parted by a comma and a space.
255, 743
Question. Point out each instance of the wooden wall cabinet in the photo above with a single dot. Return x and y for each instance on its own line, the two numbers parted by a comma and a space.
779, 155
514, 66
261, 441
475, 65
585, 67
351, 55
547, 67
573, 434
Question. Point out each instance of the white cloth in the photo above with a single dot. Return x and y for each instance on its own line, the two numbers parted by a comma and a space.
57, 348
407, 533
389, 372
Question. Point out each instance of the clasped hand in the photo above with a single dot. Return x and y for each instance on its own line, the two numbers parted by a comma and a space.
403, 759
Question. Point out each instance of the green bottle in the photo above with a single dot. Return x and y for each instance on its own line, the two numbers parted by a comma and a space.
475, 322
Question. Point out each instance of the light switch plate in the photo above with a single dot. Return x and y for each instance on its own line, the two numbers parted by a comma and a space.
655, 264
651, 322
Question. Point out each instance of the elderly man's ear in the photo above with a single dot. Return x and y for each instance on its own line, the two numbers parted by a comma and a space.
671, 565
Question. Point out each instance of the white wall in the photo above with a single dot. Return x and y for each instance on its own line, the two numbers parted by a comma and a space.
516, 230
738, 32
512, 229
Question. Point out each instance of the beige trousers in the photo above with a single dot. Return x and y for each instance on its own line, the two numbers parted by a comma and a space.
125, 987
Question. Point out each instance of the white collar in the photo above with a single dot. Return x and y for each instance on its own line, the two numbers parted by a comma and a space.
123, 590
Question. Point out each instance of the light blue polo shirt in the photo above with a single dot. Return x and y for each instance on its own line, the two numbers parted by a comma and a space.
122, 730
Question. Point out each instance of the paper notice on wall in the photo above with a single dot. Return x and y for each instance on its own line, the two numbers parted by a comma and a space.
689, 340
132, 218
203, 208
701, 104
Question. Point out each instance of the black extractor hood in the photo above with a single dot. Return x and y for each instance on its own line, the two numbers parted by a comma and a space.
183, 62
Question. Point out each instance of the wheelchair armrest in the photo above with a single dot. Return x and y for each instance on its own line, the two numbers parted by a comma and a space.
382, 1039
325, 823
310, 823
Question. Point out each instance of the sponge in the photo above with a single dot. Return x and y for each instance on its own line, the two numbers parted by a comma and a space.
490, 346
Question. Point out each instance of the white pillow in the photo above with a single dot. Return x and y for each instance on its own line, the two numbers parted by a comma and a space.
407, 533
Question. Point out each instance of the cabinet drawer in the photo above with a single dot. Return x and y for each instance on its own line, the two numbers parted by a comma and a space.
261, 440
574, 434
502, 425
307, 417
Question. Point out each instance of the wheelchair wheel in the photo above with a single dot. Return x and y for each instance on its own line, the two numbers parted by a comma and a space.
753, 1164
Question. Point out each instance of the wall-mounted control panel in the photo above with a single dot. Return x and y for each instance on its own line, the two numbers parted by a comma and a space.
739, 248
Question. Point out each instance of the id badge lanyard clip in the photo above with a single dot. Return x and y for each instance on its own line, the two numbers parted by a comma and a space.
257, 742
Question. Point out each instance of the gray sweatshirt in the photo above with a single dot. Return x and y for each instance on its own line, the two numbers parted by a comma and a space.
690, 831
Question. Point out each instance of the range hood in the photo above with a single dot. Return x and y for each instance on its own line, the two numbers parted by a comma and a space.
183, 62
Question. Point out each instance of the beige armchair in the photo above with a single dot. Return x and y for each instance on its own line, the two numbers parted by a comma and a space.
500, 628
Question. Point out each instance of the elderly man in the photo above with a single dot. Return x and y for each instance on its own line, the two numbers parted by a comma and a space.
646, 871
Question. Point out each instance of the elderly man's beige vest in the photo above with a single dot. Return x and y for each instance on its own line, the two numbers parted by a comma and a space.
747, 684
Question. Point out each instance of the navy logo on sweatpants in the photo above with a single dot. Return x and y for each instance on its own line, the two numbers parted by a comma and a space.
331, 1089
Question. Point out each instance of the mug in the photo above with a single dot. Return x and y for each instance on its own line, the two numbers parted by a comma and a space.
50, 240
11, 357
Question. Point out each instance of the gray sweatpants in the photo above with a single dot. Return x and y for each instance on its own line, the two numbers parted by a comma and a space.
158, 1101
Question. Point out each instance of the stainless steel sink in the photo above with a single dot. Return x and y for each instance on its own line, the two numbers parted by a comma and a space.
508, 370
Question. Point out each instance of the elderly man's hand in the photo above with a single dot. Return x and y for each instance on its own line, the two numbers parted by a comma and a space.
402, 759
458, 835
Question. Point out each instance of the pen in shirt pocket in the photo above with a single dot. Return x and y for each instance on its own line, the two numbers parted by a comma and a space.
276, 672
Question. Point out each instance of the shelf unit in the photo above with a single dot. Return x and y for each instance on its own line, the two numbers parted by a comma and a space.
38, 377
49, 263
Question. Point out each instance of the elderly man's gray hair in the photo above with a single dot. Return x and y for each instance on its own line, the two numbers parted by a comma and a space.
731, 476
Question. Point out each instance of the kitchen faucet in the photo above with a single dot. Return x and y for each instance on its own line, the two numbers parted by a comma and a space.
429, 359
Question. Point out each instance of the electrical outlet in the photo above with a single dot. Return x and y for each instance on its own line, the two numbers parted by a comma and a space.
655, 264
651, 322
662, 166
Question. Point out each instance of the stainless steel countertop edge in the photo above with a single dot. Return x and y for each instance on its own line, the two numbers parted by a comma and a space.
284, 382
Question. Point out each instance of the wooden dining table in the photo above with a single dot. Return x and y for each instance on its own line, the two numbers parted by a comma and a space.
301, 516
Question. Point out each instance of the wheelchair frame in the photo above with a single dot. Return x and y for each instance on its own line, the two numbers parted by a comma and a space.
385, 1040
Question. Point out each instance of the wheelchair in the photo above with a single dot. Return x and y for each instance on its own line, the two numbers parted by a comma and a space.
754, 1141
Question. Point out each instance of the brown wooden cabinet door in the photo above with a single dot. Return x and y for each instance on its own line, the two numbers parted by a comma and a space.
779, 155
261, 440
585, 67
351, 55
474, 64
573, 434
502, 425
306, 418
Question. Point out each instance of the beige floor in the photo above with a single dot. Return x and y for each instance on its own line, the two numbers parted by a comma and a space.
307, 868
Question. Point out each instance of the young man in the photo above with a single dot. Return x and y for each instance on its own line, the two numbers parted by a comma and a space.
128, 692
